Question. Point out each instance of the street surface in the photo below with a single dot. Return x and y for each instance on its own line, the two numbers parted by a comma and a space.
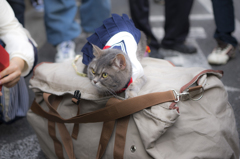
18, 141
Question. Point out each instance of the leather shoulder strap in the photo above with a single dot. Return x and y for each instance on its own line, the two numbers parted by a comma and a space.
114, 109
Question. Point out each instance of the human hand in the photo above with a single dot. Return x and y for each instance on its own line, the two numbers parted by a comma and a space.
11, 75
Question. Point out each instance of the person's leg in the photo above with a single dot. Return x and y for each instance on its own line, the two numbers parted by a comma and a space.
224, 19
177, 24
140, 15
18, 7
226, 44
93, 13
59, 20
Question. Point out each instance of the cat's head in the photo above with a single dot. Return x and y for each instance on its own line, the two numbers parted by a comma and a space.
110, 70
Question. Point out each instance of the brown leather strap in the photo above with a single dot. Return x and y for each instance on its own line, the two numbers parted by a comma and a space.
66, 139
52, 132
65, 136
195, 88
76, 127
115, 108
57, 144
120, 137
106, 134
107, 130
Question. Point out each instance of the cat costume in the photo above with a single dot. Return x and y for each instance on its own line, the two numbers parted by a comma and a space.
119, 33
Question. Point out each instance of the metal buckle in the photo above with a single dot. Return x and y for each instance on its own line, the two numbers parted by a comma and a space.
198, 97
178, 95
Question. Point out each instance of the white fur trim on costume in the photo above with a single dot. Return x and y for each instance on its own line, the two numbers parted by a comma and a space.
126, 42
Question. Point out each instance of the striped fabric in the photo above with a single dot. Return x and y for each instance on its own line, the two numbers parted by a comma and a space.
14, 102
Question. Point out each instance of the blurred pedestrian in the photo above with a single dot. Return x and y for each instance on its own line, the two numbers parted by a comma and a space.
14, 98
176, 25
62, 28
226, 44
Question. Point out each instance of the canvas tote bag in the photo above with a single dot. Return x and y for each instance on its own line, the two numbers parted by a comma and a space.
186, 115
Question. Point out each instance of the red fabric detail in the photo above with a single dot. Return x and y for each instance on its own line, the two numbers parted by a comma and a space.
106, 47
4, 60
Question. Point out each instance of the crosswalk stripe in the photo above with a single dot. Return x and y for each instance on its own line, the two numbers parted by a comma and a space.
161, 18
207, 5
187, 60
232, 89
195, 32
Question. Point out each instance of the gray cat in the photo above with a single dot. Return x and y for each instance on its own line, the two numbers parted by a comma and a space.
111, 70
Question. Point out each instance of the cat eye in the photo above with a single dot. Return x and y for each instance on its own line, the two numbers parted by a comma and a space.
93, 71
104, 75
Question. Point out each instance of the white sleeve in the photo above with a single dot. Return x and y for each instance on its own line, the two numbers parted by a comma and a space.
15, 37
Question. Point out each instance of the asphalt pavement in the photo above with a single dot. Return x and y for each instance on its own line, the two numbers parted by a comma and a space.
18, 140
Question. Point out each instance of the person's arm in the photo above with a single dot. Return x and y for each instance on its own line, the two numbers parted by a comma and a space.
20, 50
15, 37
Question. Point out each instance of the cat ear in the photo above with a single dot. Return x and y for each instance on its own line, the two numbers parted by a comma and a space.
97, 52
120, 61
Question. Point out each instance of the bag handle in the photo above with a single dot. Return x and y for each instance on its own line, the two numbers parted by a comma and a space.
120, 137
65, 136
114, 109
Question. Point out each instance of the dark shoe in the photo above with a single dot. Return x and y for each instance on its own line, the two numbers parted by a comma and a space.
155, 54
183, 48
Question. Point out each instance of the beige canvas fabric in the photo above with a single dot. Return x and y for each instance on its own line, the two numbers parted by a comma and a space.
201, 129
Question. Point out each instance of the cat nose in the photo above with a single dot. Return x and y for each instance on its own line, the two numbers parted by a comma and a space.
94, 81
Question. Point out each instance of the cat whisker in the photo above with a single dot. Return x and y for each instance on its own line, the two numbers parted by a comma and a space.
112, 92
106, 93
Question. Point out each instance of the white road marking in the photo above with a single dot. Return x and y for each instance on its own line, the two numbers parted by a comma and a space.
26, 148
195, 32
161, 18
231, 89
207, 5
187, 60
236, 33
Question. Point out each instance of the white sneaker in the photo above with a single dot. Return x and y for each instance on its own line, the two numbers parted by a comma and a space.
65, 51
221, 55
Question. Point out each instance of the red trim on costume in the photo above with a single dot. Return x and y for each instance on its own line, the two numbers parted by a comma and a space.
123, 89
106, 47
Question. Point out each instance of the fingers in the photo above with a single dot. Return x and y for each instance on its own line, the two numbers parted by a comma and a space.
8, 71
12, 83
0, 93
11, 79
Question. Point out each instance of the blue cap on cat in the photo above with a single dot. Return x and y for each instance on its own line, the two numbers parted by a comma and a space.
110, 27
